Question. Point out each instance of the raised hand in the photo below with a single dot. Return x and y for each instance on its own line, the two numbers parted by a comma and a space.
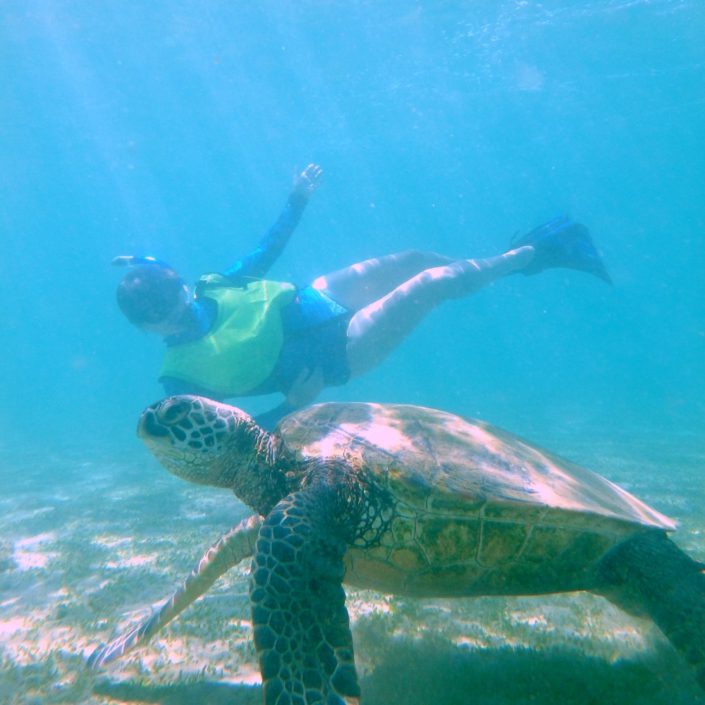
308, 180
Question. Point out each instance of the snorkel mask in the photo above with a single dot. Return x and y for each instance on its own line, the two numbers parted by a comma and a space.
153, 295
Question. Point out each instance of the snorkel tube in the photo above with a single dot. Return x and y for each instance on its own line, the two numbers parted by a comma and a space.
139, 260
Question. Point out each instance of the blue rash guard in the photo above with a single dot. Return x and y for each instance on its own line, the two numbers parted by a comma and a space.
314, 326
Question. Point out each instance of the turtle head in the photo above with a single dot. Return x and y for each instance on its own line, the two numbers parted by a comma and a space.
202, 440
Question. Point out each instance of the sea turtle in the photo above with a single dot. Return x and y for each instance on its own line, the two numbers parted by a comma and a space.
411, 501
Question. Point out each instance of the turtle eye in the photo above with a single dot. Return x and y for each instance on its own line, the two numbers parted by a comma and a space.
173, 411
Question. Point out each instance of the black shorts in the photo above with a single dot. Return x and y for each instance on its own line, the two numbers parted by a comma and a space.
315, 336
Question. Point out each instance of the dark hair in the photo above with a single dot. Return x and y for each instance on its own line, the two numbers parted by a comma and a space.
148, 294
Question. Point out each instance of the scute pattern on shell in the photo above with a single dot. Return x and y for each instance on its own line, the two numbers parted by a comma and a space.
475, 510
425, 454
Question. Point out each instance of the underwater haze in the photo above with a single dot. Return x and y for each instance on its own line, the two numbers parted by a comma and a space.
174, 129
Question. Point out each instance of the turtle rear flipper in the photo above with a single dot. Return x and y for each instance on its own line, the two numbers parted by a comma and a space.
227, 552
301, 626
650, 574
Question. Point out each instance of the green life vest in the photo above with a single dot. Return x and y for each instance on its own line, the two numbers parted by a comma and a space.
242, 348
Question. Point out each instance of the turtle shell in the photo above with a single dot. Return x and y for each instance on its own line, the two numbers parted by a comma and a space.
476, 510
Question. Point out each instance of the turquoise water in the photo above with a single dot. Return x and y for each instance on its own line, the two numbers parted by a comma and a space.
175, 129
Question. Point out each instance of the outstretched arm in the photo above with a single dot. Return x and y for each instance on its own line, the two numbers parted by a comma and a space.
304, 389
257, 263
269, 419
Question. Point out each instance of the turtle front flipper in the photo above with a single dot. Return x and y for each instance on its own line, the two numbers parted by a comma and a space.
301, 626
649, 574
227, 552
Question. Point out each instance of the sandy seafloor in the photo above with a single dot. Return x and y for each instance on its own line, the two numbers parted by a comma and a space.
112, 532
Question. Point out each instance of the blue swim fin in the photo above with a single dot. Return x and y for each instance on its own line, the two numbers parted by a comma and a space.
562, 243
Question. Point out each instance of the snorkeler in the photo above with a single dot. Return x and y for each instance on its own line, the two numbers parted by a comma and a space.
238, 334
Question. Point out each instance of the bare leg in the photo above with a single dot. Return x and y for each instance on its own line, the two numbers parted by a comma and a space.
375, 330
360, 284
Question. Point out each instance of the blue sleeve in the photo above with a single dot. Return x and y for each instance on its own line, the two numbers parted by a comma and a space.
258, 262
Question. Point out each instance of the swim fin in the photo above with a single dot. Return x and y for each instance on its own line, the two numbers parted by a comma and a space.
562, 243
